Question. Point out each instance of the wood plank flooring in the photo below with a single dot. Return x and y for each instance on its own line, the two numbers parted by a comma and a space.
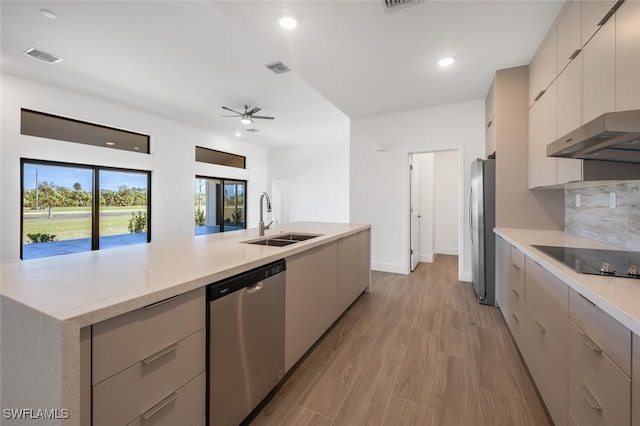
417, 350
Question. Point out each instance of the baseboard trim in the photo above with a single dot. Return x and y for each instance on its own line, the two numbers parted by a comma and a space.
389, 267
452, 251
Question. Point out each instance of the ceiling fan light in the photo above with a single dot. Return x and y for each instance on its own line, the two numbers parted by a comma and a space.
246, 120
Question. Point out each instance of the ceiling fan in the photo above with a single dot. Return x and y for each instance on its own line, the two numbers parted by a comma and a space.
247, 116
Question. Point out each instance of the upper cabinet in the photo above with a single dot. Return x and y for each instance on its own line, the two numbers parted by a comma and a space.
593, 13
628, 56
596, 44
569, 34
543, 68
599, 73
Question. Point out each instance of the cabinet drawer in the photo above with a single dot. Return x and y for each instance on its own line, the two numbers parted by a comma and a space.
185, 407
611, 336
547, 366
516, 279
120, 342
601, 391
517, 258
547, 298
125, 396
514, 316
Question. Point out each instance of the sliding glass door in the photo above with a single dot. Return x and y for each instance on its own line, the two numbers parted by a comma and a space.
219, 205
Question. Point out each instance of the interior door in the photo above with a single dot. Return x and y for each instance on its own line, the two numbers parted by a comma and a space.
414, 204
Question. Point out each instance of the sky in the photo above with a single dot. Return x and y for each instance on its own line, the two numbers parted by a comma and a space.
67, 176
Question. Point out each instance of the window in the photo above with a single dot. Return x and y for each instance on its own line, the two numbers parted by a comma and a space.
219, 205
211, 156
69, 208
49, 126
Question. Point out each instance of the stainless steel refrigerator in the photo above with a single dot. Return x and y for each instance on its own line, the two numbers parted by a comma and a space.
482, 209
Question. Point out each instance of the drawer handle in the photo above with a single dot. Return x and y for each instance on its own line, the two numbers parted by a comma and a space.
584, 297
159, 406
575, 53
516, 267
255, 287
593, 402
162, 301
590, 343
515, 317
516, 292
539, 326
160, 354
539, 95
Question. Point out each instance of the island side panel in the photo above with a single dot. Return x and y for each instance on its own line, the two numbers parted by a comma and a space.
31, 368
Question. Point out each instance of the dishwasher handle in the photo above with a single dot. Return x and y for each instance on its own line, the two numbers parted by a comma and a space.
250, 280
256, 287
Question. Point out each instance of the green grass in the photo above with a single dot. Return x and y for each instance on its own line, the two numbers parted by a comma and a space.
69, 227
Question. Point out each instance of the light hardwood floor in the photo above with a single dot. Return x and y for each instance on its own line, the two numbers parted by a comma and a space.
417, 350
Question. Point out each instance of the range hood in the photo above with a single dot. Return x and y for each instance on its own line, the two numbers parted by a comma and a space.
614, 136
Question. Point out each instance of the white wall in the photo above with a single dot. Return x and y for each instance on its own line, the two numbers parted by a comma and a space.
447, 179
171, 160
380, 180
318, 177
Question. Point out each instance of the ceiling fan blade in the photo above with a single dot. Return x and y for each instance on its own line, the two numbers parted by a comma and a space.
232, 110
253, 111
229, 116
262, 116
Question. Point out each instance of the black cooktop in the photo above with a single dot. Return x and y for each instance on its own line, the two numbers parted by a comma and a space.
615, 263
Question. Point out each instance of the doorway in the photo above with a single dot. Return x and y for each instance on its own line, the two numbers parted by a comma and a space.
434, 197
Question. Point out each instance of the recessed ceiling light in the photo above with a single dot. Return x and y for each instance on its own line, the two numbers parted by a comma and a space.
288, 22
238, 134
445, 62
110, 143
48, 14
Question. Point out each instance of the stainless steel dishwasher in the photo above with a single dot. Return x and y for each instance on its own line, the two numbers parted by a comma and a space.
245, 341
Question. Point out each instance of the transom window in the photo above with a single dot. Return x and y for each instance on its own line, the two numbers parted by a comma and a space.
70, 208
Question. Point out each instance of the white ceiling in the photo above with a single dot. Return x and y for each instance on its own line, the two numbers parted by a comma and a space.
184, 60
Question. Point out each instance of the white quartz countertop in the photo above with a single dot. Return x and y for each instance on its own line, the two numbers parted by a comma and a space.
90, 287
619, 297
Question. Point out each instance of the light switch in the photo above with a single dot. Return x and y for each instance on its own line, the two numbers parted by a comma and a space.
577, 200
612, 200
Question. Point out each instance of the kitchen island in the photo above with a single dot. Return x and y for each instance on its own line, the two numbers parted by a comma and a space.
48, 303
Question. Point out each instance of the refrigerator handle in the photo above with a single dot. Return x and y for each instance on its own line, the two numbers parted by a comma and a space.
470, 218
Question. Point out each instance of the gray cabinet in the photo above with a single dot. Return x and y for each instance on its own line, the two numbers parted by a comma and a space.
569, 34
599, 73
593, 11
542, 131
628, 56
148, 365
311, 299
543, 68
354, 267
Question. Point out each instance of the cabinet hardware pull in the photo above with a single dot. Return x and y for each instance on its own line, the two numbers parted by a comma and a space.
516, 292
575, 53
515, 317
610, 13
159, 406
590, 302
590, 343
489, 124
593, 402
568, 140
539, 326
516, 267
160, 354
256, 287
539, 95
162, 301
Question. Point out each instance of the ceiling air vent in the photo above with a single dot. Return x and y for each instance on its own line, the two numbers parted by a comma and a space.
252, 130
393, 5
278, 67
43, 56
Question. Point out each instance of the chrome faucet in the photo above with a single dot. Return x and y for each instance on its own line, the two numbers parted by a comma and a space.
261, 225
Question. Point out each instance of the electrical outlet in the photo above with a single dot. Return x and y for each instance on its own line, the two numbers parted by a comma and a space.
612, 200
577, 200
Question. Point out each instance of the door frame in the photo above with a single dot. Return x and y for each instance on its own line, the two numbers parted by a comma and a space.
461, 204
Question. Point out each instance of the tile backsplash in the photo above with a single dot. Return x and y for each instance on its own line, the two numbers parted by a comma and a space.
595, 218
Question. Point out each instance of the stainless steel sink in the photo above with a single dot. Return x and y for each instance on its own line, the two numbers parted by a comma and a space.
271, 242
282, 240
